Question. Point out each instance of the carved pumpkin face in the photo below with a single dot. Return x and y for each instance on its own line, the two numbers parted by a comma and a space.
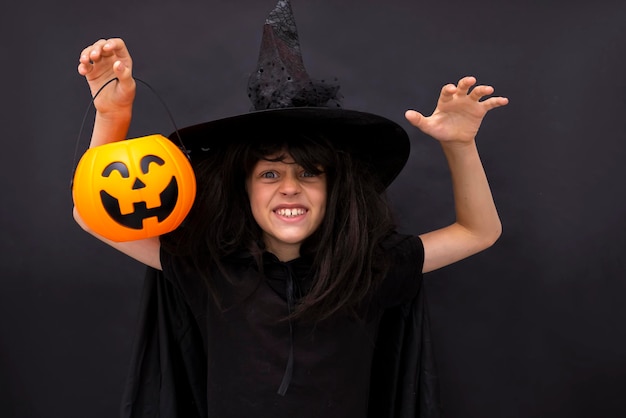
134, 189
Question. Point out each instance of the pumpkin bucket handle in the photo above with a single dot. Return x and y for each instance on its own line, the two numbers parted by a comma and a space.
82, 125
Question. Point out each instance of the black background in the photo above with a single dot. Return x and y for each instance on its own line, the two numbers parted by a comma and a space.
533, 327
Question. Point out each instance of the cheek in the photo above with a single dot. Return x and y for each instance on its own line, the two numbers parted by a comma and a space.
157, 178
256, 202
323, 208
321, 201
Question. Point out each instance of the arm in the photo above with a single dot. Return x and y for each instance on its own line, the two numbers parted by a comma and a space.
455, 123
99, 63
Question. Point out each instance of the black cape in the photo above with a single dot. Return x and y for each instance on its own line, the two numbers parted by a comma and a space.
167, 376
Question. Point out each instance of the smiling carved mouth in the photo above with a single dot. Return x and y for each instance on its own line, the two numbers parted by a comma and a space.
134, 220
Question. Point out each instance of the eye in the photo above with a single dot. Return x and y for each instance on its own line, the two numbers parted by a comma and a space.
269, 175
313, 172
145, 162
116, 166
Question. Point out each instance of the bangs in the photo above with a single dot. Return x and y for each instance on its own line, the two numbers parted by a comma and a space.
314, 153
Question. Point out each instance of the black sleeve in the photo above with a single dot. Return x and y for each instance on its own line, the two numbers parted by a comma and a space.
180, 272
404, 276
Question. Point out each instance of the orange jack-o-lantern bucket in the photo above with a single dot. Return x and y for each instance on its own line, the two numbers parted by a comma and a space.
134, 189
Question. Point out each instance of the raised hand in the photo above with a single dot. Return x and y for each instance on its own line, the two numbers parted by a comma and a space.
459, 112
103, 61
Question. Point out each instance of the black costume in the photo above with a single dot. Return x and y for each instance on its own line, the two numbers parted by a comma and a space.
184, 340
195, 358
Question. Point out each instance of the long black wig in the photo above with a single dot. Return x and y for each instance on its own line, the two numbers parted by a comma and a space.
348, 260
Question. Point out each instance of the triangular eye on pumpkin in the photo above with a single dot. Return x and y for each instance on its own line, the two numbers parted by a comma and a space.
134, 189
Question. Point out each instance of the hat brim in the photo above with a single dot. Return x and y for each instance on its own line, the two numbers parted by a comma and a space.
381, 143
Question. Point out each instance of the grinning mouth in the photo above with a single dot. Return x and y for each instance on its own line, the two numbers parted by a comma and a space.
134, 220
290, 212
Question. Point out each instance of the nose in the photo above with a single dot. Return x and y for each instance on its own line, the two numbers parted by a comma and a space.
138, 184
290, 185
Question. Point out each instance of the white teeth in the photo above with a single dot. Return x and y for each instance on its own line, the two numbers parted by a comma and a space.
290, 212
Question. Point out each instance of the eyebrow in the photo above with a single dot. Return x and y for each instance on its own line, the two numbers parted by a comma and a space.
267, 162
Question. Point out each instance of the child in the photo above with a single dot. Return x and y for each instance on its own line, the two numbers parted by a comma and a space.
289, 257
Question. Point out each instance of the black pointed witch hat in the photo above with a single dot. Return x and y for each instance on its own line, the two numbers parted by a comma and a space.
284, 97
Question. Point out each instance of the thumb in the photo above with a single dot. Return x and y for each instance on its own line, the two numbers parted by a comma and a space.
414, 117
122, 71
124, 76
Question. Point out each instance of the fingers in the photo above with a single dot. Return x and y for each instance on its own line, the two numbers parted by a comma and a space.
463, 89
85, 62
449, 91
479, 92
494, 102
102, 50
465, 83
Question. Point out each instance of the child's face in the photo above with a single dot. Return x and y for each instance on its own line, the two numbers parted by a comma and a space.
287, 202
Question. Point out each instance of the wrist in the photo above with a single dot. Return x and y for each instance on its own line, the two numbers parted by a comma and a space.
115, 116
110, 127
459, 146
